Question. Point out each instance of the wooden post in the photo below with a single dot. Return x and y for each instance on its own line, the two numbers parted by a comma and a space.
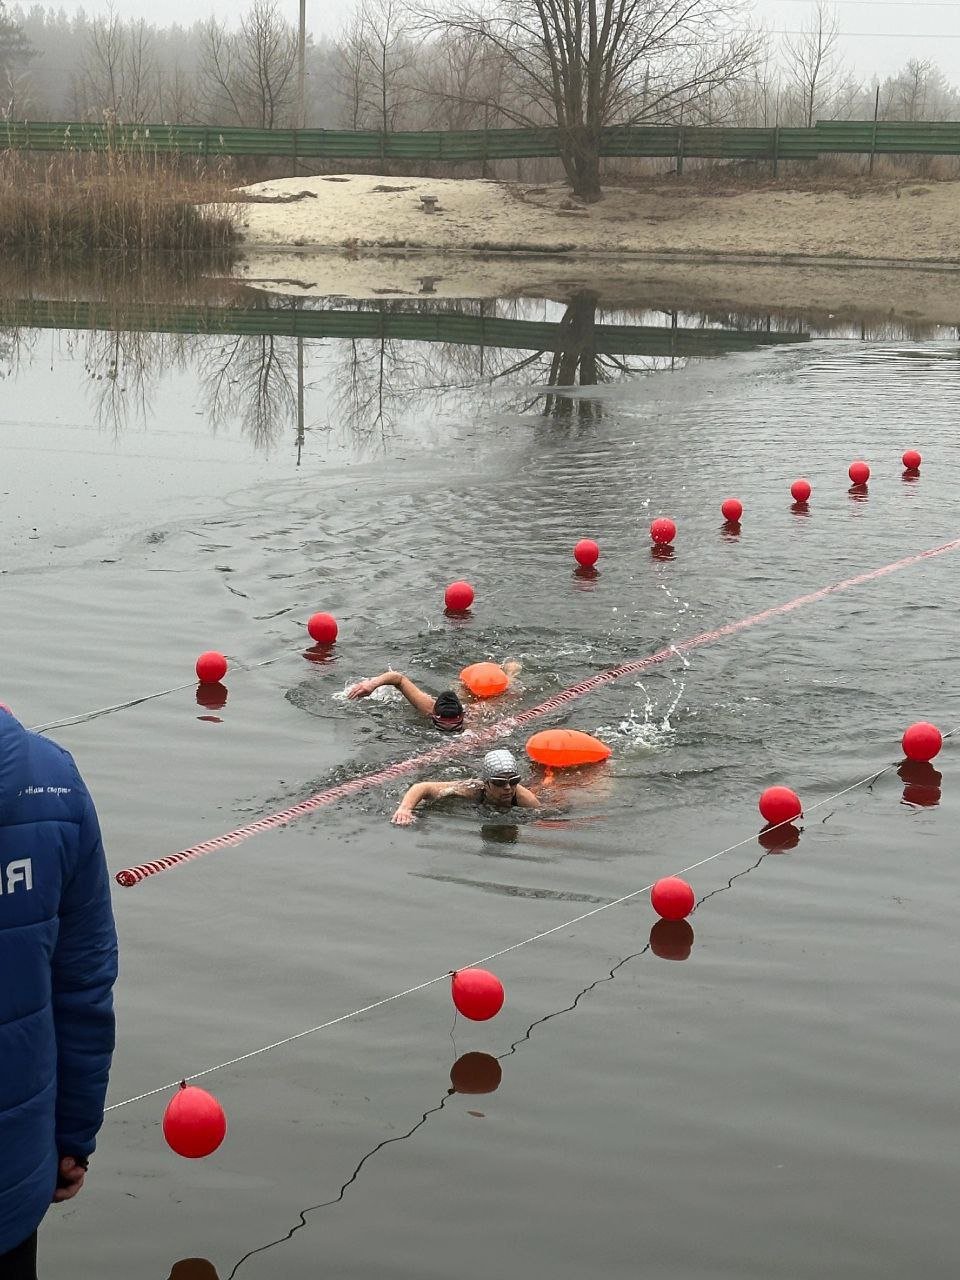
873, 140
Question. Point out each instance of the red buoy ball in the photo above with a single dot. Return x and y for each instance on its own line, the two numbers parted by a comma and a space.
780, 804
911, 460
672, 898
800, 490
586, 553
922, 741
663, 531
322, 628
458, 596
858, 472
211, 667
731, 509
477, 993
194, 1124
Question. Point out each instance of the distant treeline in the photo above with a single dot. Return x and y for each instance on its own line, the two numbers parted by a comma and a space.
381, 72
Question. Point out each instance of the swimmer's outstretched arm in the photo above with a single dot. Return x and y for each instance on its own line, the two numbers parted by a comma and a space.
363, 688
426, 791
528, 799
413, 694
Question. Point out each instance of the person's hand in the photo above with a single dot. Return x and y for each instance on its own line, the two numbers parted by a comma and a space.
363, 689
403, 817
70, 1178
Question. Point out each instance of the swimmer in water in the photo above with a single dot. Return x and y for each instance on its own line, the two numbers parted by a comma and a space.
446, 711
498, 785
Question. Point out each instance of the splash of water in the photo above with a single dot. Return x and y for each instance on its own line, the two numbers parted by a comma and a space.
649, 728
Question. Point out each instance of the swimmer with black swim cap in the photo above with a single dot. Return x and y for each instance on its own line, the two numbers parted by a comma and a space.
498, 785
446, 711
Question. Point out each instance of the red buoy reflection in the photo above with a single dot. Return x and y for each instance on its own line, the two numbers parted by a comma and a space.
212, 696
672, 939
475, 1073
193, 1269
922, 783
779, 839
320, 653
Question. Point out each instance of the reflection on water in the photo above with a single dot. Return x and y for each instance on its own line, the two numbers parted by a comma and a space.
252, 358
672, 939
254, 355
779, 839
475, 1073
921, 781
793, 701
212, 696
193, 1269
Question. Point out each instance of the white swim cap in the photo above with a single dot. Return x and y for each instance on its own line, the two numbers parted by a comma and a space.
500, 764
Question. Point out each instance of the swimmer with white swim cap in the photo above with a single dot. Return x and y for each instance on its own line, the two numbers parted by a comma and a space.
499, 785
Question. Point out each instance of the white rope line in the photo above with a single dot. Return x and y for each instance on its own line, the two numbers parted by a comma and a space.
148, 697
494, 955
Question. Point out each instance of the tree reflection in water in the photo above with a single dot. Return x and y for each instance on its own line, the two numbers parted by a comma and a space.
376, 363
378, 380
253, 380
124, 368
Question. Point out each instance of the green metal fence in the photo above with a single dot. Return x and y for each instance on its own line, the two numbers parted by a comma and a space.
457, 328
864, 137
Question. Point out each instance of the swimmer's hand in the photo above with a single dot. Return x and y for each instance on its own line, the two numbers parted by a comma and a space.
512, 668
362, 689
365, 687
403, 817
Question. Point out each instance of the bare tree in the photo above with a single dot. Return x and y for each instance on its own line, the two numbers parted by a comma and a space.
15, 53
583, 65
177, 98
462, 83
248, 76
376, 59
389, 59
812, 64
920, 91
118, 72
350, 51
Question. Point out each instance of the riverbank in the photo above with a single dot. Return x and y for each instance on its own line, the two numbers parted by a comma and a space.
912, 221
367, 236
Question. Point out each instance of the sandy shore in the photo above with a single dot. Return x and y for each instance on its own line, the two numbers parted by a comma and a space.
361, 235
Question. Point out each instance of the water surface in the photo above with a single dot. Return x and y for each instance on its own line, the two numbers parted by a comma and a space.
771, 1101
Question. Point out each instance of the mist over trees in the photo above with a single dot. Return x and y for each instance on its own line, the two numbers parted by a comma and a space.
579, 65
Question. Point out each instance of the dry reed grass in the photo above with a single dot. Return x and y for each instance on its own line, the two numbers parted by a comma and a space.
120, 207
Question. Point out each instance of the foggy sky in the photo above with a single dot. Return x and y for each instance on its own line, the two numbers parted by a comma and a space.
883, 34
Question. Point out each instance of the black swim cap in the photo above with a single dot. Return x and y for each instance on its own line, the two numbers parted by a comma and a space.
447, 711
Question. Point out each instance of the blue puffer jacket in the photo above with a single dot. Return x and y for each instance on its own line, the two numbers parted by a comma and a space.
58, 963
